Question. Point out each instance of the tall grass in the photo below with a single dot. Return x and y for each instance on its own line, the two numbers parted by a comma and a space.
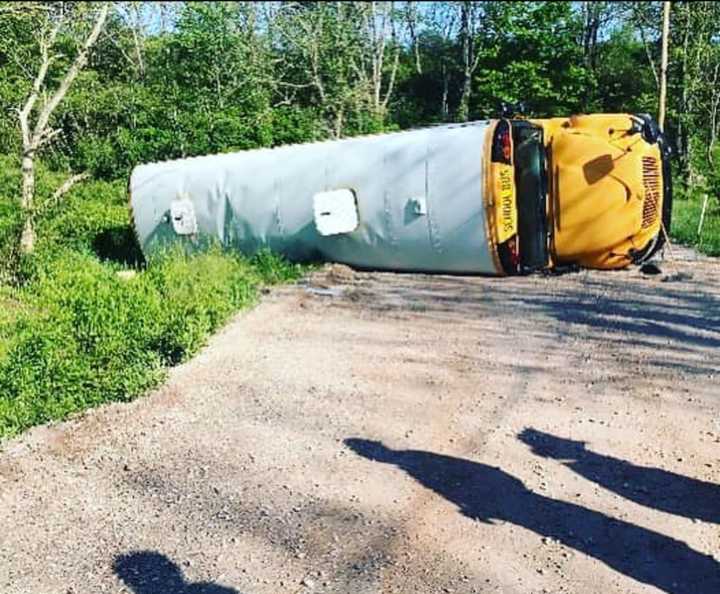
75, 334
686, 218
83, 335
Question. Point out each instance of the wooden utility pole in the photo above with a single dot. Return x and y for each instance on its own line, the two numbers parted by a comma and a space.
664, 63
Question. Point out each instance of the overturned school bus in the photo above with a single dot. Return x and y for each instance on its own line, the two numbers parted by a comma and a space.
498, 197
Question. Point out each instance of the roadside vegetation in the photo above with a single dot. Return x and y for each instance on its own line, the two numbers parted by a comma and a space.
89, 90
686, 227
79, 334
86, 320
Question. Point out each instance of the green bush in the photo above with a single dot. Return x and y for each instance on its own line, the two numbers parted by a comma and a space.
197, 294
93, 217
86, 336
93, 207
10, 307
81, 343
10, 226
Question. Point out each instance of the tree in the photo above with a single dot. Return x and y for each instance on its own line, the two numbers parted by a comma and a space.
42, 101
318, 42
597, 18
695, 35
439, 45
378, 38
346, 56
471, 16
168, 80
663, 64
527, 51
624, 79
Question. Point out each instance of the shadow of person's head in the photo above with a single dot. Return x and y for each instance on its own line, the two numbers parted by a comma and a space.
149, 572
551, 446
372, 450
146, 571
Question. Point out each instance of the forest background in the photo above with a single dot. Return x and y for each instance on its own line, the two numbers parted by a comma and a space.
89, 90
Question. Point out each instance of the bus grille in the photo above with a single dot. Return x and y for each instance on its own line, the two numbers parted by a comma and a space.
651, 182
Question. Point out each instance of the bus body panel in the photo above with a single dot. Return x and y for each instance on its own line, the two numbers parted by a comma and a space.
420, 198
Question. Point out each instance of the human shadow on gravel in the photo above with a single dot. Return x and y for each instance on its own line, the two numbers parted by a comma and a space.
148, 572
653, 487
485, 493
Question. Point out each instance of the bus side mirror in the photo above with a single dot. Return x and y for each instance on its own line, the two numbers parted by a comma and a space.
650, 130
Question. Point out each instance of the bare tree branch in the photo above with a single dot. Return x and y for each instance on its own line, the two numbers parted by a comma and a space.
641, 24
77, 65
63, 189
46, 60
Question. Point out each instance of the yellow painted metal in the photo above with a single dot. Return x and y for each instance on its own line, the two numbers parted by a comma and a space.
489, 199
500, 198
605, 194
504, 201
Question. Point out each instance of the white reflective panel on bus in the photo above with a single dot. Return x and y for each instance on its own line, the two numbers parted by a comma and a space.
182, 215
335, 212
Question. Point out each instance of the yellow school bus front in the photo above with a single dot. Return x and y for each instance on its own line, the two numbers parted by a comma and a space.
606, 189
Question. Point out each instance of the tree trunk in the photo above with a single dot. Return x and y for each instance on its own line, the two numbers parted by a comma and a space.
467, 58
27, 239
664, 64
683, 135
464, 108
338, 124
468, 18
36, 136
592, 12
445, 109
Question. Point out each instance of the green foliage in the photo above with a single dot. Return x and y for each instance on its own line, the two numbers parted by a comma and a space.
623, 84
197, 294
84, 335
89, 210
528, 53
76, 333
10, 308
10, 218
686, 218
274, 269
90, 218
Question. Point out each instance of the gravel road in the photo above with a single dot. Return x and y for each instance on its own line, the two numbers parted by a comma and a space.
365, 433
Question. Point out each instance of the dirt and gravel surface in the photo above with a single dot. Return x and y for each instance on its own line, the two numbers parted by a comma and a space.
365, 433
